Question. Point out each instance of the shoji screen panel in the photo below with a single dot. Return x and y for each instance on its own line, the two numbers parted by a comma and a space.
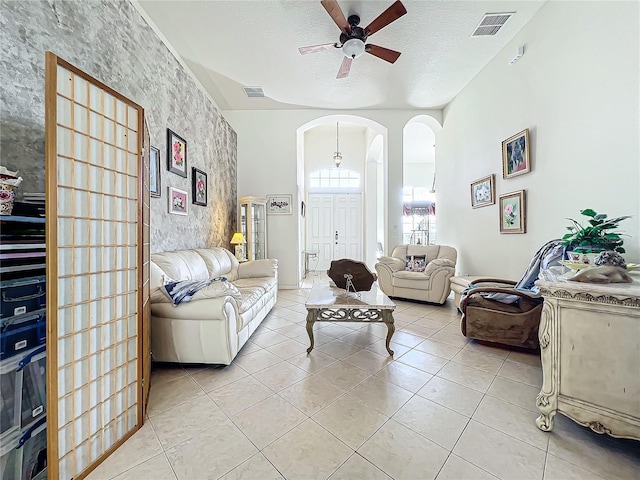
94, 265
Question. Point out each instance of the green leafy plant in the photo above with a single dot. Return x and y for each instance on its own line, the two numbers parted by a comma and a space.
597, 235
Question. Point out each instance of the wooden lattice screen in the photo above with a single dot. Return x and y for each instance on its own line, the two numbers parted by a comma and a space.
94, 269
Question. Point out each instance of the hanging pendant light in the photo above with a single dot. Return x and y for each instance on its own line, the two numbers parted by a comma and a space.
337, 156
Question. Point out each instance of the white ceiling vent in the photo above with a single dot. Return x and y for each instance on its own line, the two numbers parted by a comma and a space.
491, 23
254, 92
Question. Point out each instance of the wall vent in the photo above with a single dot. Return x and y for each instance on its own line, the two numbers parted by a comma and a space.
491, 24
254, 92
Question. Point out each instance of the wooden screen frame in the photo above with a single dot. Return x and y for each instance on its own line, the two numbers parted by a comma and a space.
52, 62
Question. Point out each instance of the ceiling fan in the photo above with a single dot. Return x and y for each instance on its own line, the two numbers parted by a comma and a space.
353, 38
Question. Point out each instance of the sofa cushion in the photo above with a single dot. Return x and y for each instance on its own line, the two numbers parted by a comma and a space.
182, 265
253, 299
219, 262
264, 282
406, 279
250, 296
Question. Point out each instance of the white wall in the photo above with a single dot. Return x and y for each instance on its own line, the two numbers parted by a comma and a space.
267, 155
320, 144
418, 174
576, 89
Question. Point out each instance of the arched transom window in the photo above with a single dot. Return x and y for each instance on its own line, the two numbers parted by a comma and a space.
334, 178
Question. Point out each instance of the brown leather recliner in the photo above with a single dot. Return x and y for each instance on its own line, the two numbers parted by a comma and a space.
513, 324
515, 320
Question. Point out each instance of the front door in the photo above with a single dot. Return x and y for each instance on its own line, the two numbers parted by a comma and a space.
334, 227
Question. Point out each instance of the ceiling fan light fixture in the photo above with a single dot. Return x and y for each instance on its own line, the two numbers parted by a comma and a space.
353, 48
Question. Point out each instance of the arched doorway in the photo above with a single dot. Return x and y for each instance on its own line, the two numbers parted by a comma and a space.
340, 201
419, 182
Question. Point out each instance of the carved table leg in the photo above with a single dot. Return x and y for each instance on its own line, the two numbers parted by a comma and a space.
547, 399
311, 317
387, 318
548, 410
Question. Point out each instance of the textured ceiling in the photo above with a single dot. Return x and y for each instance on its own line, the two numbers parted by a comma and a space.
235, 43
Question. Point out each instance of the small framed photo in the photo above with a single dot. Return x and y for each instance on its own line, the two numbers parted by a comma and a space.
178, 202
154, 172
176, 154
483, 192
515, 155
513, 212
198, 187
279, 204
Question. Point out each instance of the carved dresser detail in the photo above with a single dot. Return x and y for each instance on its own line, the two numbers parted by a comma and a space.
590, 346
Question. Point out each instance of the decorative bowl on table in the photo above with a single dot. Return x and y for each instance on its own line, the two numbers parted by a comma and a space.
575, 265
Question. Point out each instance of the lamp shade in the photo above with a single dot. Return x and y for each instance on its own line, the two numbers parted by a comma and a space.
237, 238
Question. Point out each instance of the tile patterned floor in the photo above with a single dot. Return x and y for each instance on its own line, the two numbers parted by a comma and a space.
444, 407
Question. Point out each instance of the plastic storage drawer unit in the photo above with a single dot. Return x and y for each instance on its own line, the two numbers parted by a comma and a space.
22, 296
24, 456
21, 333
24, 394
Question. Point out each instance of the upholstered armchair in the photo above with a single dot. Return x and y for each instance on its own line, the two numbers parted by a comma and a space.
418, 272
504, 311
514, 324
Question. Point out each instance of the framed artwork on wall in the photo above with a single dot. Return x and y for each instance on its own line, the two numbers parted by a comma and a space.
483, 192
515, 155
198, 187
178, 202
154, 172
279, 204
176, 154
513, 212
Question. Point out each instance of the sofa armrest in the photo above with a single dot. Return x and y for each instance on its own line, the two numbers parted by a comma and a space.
258, 268
391, 263
493, 282
438, 263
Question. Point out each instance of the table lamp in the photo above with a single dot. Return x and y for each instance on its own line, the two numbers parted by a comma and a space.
239, 241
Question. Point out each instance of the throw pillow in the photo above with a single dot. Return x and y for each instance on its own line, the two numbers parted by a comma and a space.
416, 263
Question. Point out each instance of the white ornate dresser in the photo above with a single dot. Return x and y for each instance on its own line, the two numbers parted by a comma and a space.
590, 345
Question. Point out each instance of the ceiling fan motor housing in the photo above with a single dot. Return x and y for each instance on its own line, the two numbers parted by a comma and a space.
353, 42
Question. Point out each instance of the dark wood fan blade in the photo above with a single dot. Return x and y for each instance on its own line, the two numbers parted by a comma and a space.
315, 48
391, 14
384, 53
345, 67
335, 12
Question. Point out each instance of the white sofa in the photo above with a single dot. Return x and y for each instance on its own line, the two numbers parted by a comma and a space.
431, 285
220, 318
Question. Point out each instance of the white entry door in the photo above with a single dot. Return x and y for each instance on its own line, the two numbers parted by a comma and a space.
334, 227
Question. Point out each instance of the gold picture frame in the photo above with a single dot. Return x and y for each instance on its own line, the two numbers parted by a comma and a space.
483, 192
515, 155
513, 212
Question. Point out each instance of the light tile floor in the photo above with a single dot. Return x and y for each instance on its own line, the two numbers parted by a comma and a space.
444, 407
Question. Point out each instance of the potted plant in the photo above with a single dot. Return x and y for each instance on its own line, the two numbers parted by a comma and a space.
597, 236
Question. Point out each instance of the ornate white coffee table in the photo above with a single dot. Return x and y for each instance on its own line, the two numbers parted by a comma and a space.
332, 304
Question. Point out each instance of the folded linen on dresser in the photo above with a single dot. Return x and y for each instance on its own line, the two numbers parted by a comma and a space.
183, 291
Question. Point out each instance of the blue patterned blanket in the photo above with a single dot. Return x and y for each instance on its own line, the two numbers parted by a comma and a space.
184, 290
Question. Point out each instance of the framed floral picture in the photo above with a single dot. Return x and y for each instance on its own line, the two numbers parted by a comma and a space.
513, 212
198, 187
515, 155
154, 172
483, 192
178, 202
176, 154
279, 204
